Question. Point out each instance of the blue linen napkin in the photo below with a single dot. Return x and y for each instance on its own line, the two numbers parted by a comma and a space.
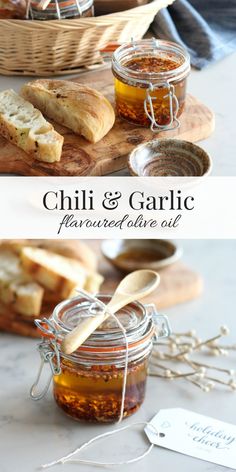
207, 28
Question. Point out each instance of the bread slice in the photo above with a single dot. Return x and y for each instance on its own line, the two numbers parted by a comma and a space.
10, 264
16, 290
10, 272
80, 108
24, 297
92, 284
25, 126
13, 245
56, 273
74, 249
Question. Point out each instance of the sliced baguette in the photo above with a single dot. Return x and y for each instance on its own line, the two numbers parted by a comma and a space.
10, 264
24, 297
31, 276
54, 272
16, 290
84, 110
74, 249
92, 284
25, 126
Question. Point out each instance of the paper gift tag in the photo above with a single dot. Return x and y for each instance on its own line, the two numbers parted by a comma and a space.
195, 435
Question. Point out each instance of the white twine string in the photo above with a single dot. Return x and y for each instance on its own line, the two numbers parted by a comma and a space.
125, 368
64, 459
68, 459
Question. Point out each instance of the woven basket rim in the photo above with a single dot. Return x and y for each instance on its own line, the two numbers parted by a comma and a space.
88, 20
62, 47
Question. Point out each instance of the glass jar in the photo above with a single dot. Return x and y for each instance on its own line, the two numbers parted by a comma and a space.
150, 82
61, 9
88, 384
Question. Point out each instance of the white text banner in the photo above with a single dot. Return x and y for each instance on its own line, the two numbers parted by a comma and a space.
114, 207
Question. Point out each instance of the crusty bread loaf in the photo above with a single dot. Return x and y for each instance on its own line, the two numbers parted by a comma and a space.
31, 277
80, 108
74, 249
9, 263
26, 298
16, 290
93, 282
25, 126
54, 272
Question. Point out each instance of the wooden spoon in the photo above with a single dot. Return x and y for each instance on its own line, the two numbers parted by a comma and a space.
133, 287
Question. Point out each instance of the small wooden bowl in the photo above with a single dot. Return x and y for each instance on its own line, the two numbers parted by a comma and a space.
169, 158
129, 255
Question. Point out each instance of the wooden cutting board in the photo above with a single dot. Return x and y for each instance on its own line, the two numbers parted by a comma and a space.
80, 157
179, 284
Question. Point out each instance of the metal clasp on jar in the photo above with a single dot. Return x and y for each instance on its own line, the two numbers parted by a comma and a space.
161, 322
173, 107
49, 354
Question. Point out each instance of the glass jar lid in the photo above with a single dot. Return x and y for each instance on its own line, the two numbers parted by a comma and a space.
58, 9
155, 48
106, 346
134, 317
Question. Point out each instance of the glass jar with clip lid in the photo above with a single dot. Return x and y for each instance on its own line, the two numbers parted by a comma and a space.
150, 82
60, 9
105, 378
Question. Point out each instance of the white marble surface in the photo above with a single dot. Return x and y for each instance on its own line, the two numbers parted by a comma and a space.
36, 432
215, 86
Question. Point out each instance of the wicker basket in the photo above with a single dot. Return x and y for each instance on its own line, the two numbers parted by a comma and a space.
60, 47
